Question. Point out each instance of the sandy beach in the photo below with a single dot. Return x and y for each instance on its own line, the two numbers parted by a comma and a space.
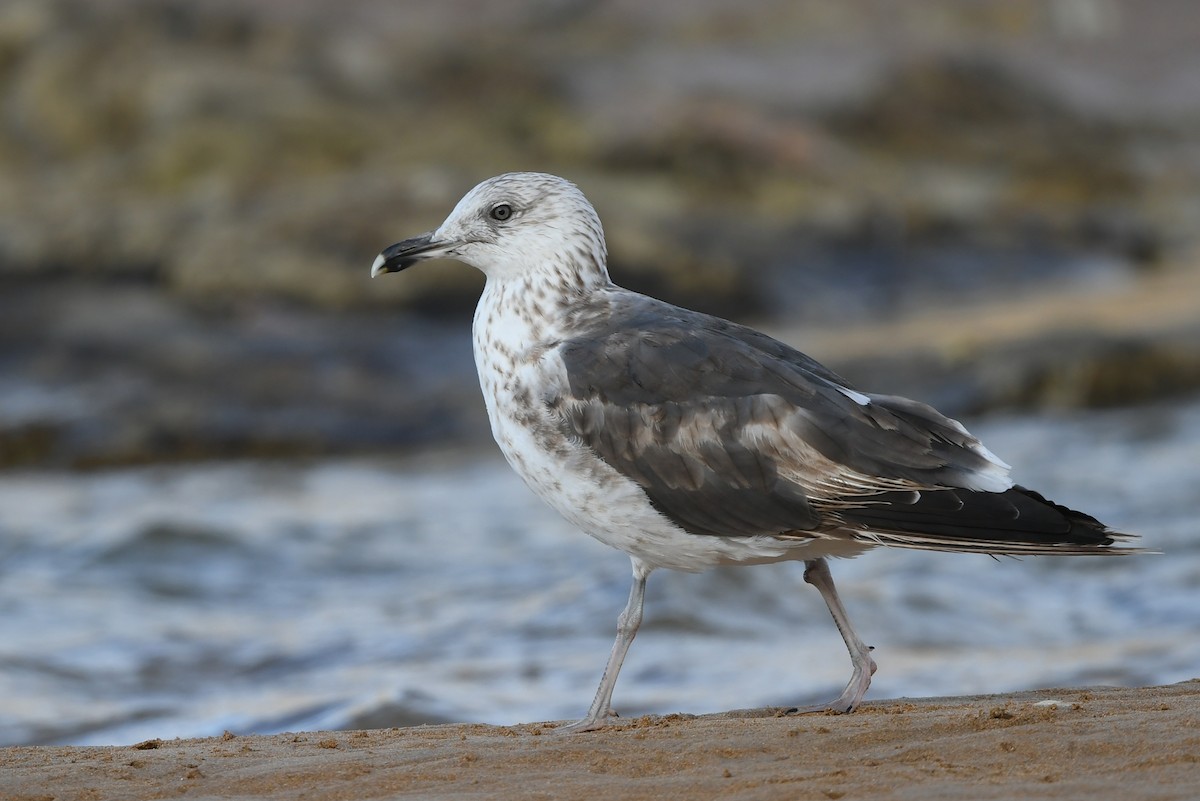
1057, 743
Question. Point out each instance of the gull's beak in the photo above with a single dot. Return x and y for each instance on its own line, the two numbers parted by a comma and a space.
402, 255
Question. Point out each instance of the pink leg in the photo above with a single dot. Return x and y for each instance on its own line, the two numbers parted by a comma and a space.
816, 573
627, 626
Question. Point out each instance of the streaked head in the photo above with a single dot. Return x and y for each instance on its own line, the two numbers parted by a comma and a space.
509, 225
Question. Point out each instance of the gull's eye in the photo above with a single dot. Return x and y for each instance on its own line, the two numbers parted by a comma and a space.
501, 212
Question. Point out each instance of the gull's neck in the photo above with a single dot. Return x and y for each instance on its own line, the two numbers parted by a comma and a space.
520, 311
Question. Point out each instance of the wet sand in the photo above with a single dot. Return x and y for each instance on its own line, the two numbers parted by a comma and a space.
1097, 743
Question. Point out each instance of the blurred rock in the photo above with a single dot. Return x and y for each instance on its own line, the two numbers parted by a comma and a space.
97, 376
191, 195
101, 376
236, 147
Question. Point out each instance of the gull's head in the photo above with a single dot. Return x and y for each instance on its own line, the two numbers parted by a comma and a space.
511, 225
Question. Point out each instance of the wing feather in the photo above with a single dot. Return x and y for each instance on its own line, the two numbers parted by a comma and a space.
732, 433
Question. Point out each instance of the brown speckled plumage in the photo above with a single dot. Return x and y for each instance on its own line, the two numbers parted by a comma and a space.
689, 441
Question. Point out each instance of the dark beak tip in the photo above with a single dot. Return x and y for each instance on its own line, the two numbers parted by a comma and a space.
402, 255
383, 265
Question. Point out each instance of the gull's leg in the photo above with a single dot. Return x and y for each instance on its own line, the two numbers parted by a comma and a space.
816, 573
627, 627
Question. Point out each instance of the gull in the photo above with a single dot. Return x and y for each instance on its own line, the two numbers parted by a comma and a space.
688, 441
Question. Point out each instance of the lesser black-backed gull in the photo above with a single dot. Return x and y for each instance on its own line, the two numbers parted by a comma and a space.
688, 441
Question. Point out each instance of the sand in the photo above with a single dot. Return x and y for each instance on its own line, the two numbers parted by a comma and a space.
1064, 743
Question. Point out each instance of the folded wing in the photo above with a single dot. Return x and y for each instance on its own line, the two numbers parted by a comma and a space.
732, 433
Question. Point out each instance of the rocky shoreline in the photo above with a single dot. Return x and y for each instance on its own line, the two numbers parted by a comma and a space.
190, 196
98, 376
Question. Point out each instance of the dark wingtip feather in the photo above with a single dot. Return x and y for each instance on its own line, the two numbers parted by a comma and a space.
1016, 522
1084, 529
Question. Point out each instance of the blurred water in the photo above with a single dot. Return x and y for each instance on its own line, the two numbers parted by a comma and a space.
260, 597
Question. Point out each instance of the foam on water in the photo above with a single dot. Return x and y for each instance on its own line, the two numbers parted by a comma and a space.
164, 602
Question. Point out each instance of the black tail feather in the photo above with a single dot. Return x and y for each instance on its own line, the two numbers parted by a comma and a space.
1018, 521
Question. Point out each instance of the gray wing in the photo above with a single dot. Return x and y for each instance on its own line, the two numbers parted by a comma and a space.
732, 433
